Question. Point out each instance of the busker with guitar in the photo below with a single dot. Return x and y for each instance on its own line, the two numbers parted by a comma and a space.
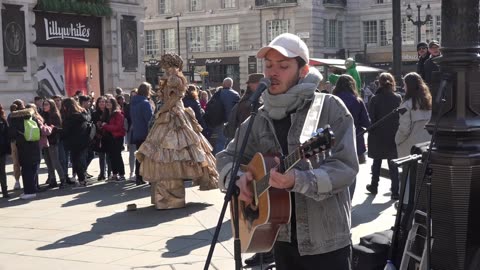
317, 233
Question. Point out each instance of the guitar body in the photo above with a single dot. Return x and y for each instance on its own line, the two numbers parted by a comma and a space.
259, 224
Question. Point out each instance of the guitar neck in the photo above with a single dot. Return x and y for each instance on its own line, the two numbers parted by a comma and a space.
285, 166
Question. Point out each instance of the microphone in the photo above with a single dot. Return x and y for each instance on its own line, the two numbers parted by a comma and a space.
402, 110
264, 84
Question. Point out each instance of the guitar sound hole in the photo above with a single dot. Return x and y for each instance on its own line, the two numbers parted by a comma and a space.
251, 213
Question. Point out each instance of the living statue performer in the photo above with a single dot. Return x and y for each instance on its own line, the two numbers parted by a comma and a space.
175, 148
351, 67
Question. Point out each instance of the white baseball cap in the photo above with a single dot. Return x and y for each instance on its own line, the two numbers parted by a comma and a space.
289, 45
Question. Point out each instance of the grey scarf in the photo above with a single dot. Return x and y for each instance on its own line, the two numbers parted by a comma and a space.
278, 106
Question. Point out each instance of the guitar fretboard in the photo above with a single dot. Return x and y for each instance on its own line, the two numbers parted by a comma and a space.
288, 163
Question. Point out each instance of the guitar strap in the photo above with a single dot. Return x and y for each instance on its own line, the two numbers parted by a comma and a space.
313, 116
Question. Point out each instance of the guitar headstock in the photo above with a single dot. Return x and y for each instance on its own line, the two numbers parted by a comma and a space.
322, 140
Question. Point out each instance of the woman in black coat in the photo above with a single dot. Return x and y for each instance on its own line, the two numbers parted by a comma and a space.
191, 101
75, 136
381, 140
4, 151
28, 151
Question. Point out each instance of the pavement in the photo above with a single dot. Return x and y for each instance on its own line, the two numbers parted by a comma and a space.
89, 228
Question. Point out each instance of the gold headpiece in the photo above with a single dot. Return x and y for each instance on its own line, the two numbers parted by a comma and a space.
170, 60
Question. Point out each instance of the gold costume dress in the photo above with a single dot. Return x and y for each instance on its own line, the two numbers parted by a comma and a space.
175, 148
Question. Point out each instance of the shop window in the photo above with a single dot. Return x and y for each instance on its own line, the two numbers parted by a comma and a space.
408, 32
229, 3
214, 38
370, 32
151, 42
386, 32
333, 31
197, 39
276, 27
164, 6
168, 40
195, 5
232, 39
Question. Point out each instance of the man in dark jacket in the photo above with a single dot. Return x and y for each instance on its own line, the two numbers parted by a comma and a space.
430, 66
229, 98
241, 111
140, 114
423, 55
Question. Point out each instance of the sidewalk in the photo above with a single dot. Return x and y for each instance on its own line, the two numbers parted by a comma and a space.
88, 228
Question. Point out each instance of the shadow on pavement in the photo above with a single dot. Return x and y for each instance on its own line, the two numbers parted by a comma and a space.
366, 211
125, 221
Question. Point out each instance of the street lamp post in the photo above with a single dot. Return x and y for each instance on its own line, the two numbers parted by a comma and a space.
178, 29
418, 23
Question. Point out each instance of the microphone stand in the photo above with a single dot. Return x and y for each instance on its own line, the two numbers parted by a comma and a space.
232, 191
376, 124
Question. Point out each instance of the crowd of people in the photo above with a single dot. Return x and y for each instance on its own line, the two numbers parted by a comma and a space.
166, 133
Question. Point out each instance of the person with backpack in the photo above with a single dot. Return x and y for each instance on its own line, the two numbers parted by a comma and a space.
218, 112
76, 136
4, 151
25, 131
115, 129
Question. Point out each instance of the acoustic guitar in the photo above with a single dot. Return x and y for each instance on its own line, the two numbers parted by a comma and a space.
259, 221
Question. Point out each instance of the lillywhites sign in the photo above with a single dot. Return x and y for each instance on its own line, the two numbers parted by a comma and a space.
62, 30
78, 31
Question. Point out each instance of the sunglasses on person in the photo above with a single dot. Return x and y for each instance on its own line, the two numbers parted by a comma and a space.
422, 48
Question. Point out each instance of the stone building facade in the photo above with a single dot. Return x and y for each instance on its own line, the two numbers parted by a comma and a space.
331, 28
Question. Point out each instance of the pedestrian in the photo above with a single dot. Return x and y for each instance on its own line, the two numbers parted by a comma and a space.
423, 55
114, 127
141, 113
319, 186
100, 141
430, 66
345, 89
191, 101
203, 99
4, 151
28, 150
16, 105
381, 140
241, 111
76, 136
418, 105
52, 118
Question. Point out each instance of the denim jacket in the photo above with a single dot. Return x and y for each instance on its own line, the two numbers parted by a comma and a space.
322, 200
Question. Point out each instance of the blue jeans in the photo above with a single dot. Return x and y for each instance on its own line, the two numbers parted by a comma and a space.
104, 161
393, 171
220, 140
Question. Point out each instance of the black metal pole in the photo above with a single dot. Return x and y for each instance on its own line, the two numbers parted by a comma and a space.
178, 35
397, 41
419, 25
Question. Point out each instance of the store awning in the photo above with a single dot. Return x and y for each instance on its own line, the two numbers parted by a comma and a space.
362, 69
340, 63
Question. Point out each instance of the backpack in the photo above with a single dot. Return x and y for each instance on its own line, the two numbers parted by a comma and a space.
215, 112
32, 131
